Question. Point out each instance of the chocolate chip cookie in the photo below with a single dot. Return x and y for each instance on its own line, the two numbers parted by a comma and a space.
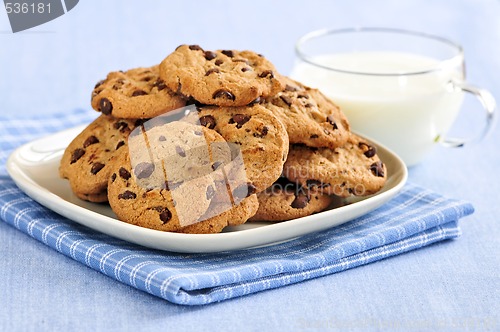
155, 207
286, 200
224, 77
309, 117
138, 93
185, 152
353, 169
181, 150
86, 160
260, 136
185, 208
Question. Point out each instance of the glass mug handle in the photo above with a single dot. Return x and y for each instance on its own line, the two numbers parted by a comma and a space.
489, 105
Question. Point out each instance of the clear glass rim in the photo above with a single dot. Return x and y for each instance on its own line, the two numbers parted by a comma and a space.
324, 32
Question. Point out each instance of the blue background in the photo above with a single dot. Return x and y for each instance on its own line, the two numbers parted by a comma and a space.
450, 286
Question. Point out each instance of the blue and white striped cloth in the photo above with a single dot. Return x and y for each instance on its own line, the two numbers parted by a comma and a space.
415, 218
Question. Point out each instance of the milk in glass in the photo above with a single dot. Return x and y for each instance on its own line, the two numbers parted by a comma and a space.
402, 100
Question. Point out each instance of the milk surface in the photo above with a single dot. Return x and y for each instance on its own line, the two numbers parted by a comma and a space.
407, 112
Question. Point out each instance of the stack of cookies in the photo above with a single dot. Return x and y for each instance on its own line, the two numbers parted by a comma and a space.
248, 145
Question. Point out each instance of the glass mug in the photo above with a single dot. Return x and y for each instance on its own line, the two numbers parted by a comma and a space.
402, 88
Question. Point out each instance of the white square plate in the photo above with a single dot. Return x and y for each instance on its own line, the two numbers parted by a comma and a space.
34, 168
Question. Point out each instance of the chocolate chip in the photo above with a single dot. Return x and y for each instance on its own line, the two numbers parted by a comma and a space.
223, 94
118, 84
244, 190
163, 212
290, 88
255, 101
266, 73
368, 150
216, 165
244, 69
165, 215
313, 136
162, 138
77, 154
326, 131
98, 84
120, 144
212, 70
90, 140
113, 177
282, 184
207, 121
159, 84
218, 62
96, 167
180, 151
127, 194
377, 169
139, 93
105, 106
144, 170
286, 100
300, 201
263, 133
210, 192
124, 174
239, 119
331, 120
195, 48
228, 53
121, 125
209, 55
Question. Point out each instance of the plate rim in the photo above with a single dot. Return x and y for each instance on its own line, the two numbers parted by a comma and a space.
204, 243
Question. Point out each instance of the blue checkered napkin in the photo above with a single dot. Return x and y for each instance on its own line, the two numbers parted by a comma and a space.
415, 218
